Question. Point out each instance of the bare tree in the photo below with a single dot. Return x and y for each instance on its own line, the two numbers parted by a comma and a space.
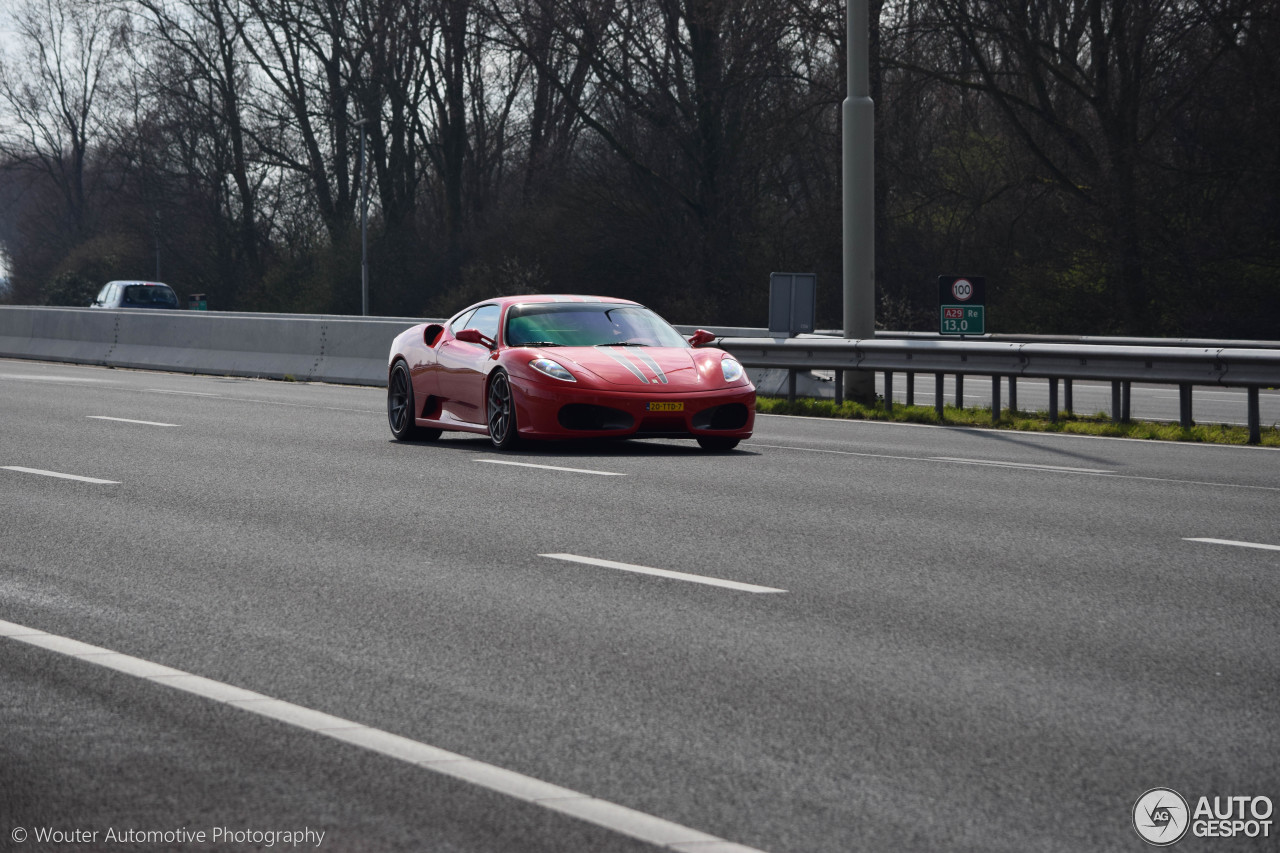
56, 98
1088, 89
196, 80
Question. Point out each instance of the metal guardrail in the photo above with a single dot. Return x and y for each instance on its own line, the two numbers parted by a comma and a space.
1000, 337
1185, 367
353, 349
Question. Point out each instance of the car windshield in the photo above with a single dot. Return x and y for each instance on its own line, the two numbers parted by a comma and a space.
150, 295
594, 324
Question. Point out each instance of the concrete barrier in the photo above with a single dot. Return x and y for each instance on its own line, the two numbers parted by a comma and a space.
349, 350
305, 347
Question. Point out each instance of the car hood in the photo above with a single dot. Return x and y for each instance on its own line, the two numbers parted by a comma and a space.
659, 369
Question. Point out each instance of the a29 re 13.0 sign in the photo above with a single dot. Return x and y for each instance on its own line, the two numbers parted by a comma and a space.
962, 304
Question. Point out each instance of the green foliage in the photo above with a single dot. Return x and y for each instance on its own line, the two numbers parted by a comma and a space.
89, 266
72, 289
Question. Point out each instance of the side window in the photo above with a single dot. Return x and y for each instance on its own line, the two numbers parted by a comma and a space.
461, 323
485, 320
101, 298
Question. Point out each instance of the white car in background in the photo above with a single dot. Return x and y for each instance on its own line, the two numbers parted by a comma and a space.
135, 294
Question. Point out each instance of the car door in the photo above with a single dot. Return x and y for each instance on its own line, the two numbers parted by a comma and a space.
462, 366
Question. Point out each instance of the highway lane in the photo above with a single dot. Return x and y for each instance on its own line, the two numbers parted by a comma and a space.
987, 641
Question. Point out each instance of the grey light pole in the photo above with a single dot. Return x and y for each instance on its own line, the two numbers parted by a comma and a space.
858, 155
364, 227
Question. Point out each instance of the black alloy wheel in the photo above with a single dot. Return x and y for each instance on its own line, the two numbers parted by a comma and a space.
400, 408
502, 412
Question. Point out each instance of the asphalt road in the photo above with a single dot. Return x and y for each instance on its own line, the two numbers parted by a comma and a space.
983, 641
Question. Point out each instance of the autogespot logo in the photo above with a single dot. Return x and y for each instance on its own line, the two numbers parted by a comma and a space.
1161, 817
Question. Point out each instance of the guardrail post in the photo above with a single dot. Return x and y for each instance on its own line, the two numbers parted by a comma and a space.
1066, 396
959, 390
1013, 393
839, 388
911, 388
1115, 401
1184, 406
1255, 417
995, 399
1126, 398
938, 402
888, 390
1053, 399
791, 384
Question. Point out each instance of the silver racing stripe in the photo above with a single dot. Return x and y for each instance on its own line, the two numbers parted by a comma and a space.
625, 362
653, 365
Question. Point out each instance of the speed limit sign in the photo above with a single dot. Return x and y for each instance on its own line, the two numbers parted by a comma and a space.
962, 299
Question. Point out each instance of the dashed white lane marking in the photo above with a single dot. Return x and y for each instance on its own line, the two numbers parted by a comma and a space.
263, 402
663, 573
60, 475
1029, 465
130, 421
1237, 544
611, 816
552, 467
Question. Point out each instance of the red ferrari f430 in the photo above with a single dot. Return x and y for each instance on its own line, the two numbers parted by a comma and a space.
565, 367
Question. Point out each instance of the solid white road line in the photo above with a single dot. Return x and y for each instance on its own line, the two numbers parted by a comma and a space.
130, 421
611, 816
60, 476
551, 467
183, 393
1029, 465
1258, 545
663, 573
1087, 471
35, 377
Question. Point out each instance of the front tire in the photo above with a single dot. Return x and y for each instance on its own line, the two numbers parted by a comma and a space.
717, 443
502, 412
401, 407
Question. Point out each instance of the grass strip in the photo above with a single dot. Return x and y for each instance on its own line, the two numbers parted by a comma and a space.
980, 416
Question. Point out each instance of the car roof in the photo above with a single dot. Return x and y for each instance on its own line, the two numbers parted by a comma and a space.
147, 283
534, 298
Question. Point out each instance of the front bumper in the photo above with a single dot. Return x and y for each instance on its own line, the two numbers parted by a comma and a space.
569, 412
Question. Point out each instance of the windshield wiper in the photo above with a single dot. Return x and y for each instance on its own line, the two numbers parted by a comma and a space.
538, 344
624, 344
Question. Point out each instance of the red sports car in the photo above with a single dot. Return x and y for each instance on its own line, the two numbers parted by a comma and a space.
560, 367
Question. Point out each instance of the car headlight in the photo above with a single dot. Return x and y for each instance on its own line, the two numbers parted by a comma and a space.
555, 370
732, 369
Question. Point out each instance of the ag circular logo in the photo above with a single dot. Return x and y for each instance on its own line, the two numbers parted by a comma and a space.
1161, 816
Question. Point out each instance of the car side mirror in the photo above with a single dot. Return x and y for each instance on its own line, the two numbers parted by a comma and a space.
701, 337
474, 336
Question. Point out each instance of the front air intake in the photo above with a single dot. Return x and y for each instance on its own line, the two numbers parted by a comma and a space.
583, 416
727, 417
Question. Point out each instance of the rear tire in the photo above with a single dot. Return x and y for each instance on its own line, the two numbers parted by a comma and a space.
717, 443
401, 407
501, 412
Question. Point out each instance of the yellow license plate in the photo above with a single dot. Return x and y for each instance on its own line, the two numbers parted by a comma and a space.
665, 407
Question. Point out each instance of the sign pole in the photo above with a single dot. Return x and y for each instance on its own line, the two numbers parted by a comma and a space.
858, 172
